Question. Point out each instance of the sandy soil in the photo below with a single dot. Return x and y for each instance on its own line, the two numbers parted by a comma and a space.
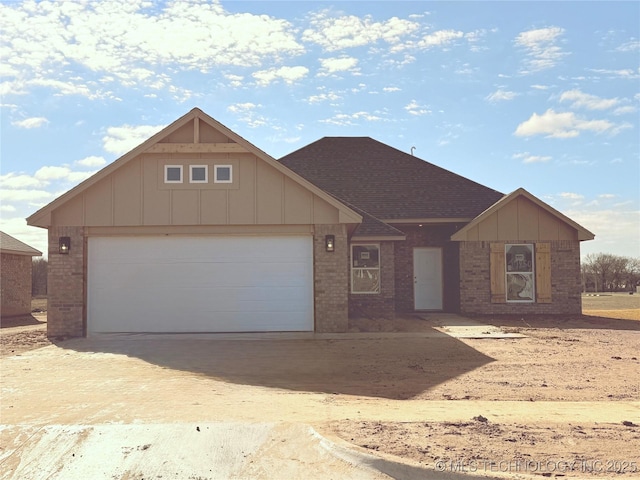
588, 358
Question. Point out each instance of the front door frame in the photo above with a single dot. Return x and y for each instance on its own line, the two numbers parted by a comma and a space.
425, 278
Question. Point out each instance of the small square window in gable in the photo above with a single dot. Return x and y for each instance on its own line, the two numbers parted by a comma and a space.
223, 174
173, 174
199, 174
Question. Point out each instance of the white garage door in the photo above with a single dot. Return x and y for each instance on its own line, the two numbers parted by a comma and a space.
200, 284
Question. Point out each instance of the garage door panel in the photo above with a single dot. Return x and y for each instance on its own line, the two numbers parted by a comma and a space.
200, 284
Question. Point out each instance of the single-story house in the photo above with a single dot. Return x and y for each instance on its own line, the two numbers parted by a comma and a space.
15, 276
198, 230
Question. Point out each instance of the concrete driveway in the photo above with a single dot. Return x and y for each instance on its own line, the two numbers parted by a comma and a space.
230, 406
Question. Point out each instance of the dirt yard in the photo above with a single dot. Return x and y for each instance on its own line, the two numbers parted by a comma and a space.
590, 358
594, 357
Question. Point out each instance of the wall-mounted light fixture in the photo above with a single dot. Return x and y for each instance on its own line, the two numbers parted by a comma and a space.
64, 245
330, 243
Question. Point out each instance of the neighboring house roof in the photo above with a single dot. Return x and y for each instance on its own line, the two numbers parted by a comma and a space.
387, 183
41, 218
13, 246
583, 233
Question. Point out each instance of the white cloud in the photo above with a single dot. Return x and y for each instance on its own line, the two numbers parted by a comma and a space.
526, 157
120, 140
242, 107
625, 110
414, 108
391, 89
127, 40
7, 208
24, 195
338, 33
630, 46
33, 122
616, 230
92, 161
344, 119
287, 74
588, 101
323, 97
627, 73
439, 38
500, 95
339, 64
541, 48
17, 180
563, 125
540, 87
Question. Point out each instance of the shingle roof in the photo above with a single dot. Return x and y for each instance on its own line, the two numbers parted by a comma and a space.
388, 183
8, 244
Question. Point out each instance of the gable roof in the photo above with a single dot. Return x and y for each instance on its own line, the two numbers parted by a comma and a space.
583, 233
388, 183
41, 217
13, 246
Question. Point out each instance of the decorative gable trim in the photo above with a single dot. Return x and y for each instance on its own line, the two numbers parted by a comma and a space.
42, 218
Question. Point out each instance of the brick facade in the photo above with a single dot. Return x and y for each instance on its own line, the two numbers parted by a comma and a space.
475, 295
427, 236
331, 280
16, 285
380, 305
66, 284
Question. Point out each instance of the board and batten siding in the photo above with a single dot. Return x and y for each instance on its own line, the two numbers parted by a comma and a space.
136, 194
521, 219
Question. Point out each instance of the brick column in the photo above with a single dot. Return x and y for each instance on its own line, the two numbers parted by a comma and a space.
66, 284
331, 280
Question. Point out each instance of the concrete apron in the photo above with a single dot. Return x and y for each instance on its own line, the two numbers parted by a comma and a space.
202, 451
457, 326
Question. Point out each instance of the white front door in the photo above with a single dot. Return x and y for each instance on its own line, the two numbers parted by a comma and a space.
427, 278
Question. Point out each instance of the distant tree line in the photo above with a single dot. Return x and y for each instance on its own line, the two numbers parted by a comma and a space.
604, 272
39, 276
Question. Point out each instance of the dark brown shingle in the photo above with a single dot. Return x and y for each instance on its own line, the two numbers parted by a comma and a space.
387, 183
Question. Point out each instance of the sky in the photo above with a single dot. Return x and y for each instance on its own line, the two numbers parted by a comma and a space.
539, 95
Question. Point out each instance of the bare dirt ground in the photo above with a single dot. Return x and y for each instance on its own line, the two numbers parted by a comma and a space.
589, 358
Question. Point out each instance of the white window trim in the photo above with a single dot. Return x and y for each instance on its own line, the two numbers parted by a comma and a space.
215, 177
206, 174
532, 273
166, 170
377, 245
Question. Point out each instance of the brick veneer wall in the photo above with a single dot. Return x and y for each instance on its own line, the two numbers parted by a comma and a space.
330, 280
426, 236
381, 305
475, 295
66, 284
15, 281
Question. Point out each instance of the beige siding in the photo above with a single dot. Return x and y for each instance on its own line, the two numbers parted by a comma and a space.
298, 203
127, 183
521, 219
136, 193
269, 195
185, 207
242, 202
98, 203
208, 134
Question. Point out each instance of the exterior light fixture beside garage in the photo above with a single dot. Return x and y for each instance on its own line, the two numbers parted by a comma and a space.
330, 243
64, 245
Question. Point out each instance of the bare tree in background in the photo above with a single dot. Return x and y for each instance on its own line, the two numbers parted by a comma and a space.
39, 276
604, 272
